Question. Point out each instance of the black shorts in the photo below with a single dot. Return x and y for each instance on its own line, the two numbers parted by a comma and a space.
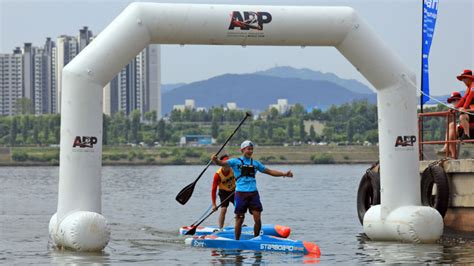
247, 201
223, 195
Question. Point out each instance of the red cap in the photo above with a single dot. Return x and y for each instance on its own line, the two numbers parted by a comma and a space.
224, 157
467, 73
455, 96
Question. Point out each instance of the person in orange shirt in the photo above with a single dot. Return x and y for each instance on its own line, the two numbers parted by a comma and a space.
466, 104
225, 180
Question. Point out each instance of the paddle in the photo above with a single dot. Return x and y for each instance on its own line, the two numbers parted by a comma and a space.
185, 194
192, 231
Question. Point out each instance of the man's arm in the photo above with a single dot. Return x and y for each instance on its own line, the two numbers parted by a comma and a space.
463, 100
216, 161
215, 183
272, 172
467, 104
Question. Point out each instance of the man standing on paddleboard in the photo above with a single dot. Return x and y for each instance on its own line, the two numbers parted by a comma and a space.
246, 193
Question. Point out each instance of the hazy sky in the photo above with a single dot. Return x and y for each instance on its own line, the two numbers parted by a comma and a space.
397, 22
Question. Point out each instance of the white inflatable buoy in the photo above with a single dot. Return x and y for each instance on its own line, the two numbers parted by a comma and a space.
82, 231
413, 224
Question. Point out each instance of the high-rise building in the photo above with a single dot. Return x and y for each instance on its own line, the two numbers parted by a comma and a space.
84, 38
136, 86
54, 82
11, 81
34, 67
110, 97
66, 50
154, 80
28, 72
44, 79
39, 92
127, 100
35, 74
49, 77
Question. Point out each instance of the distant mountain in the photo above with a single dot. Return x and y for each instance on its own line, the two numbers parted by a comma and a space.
308, 87
257, 92
168, 87
304, 73
443, 99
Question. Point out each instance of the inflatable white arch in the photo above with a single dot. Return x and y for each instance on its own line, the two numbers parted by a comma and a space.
78, 223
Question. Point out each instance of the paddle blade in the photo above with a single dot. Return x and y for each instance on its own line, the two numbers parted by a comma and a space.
185, 194
191, 231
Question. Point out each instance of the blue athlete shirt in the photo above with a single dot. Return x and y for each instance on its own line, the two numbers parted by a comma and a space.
245, 183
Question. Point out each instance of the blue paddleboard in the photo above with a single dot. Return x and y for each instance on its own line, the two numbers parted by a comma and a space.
247, 231
259, 243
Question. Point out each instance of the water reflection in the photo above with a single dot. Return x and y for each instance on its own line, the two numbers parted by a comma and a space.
241, 257
311, 259
393, 252
236, 257
67, 257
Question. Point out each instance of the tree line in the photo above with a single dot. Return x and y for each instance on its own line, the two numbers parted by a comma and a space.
351, 123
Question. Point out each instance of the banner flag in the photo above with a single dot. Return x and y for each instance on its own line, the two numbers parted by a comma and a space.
430, 12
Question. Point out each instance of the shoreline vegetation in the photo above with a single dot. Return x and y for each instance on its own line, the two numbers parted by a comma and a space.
345, 134
349, 124
126, 155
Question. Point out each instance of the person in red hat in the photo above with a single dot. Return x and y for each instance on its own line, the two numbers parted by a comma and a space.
454, 100
466, 103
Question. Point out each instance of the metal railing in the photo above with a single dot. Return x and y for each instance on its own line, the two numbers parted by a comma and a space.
450, 117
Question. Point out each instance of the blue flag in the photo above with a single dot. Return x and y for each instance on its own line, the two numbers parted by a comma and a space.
430, 12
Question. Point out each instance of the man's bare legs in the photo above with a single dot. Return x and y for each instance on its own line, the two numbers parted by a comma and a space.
222, 217
239, 220
464, 122
257, 223
452, 136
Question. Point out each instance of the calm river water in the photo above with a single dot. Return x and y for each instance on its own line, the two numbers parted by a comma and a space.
319, 205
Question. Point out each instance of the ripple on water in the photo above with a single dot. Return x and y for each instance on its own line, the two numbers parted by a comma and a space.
144, 217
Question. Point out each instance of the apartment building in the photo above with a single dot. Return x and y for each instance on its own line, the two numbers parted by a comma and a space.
11, 81
34, 74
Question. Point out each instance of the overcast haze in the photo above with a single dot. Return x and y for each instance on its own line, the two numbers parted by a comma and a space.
397, 22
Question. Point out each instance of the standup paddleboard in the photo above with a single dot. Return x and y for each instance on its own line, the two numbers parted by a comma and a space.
247, 231
259, 243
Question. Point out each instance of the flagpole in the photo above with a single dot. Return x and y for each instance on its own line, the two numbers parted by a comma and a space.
421, 57
421, 84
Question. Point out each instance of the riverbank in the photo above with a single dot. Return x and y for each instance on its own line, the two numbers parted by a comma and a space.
126, 155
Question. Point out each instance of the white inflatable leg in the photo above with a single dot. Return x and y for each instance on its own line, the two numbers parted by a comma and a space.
82, 231
414, 224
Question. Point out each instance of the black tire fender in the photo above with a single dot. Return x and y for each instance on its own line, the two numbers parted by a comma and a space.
368, 193
435, 189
